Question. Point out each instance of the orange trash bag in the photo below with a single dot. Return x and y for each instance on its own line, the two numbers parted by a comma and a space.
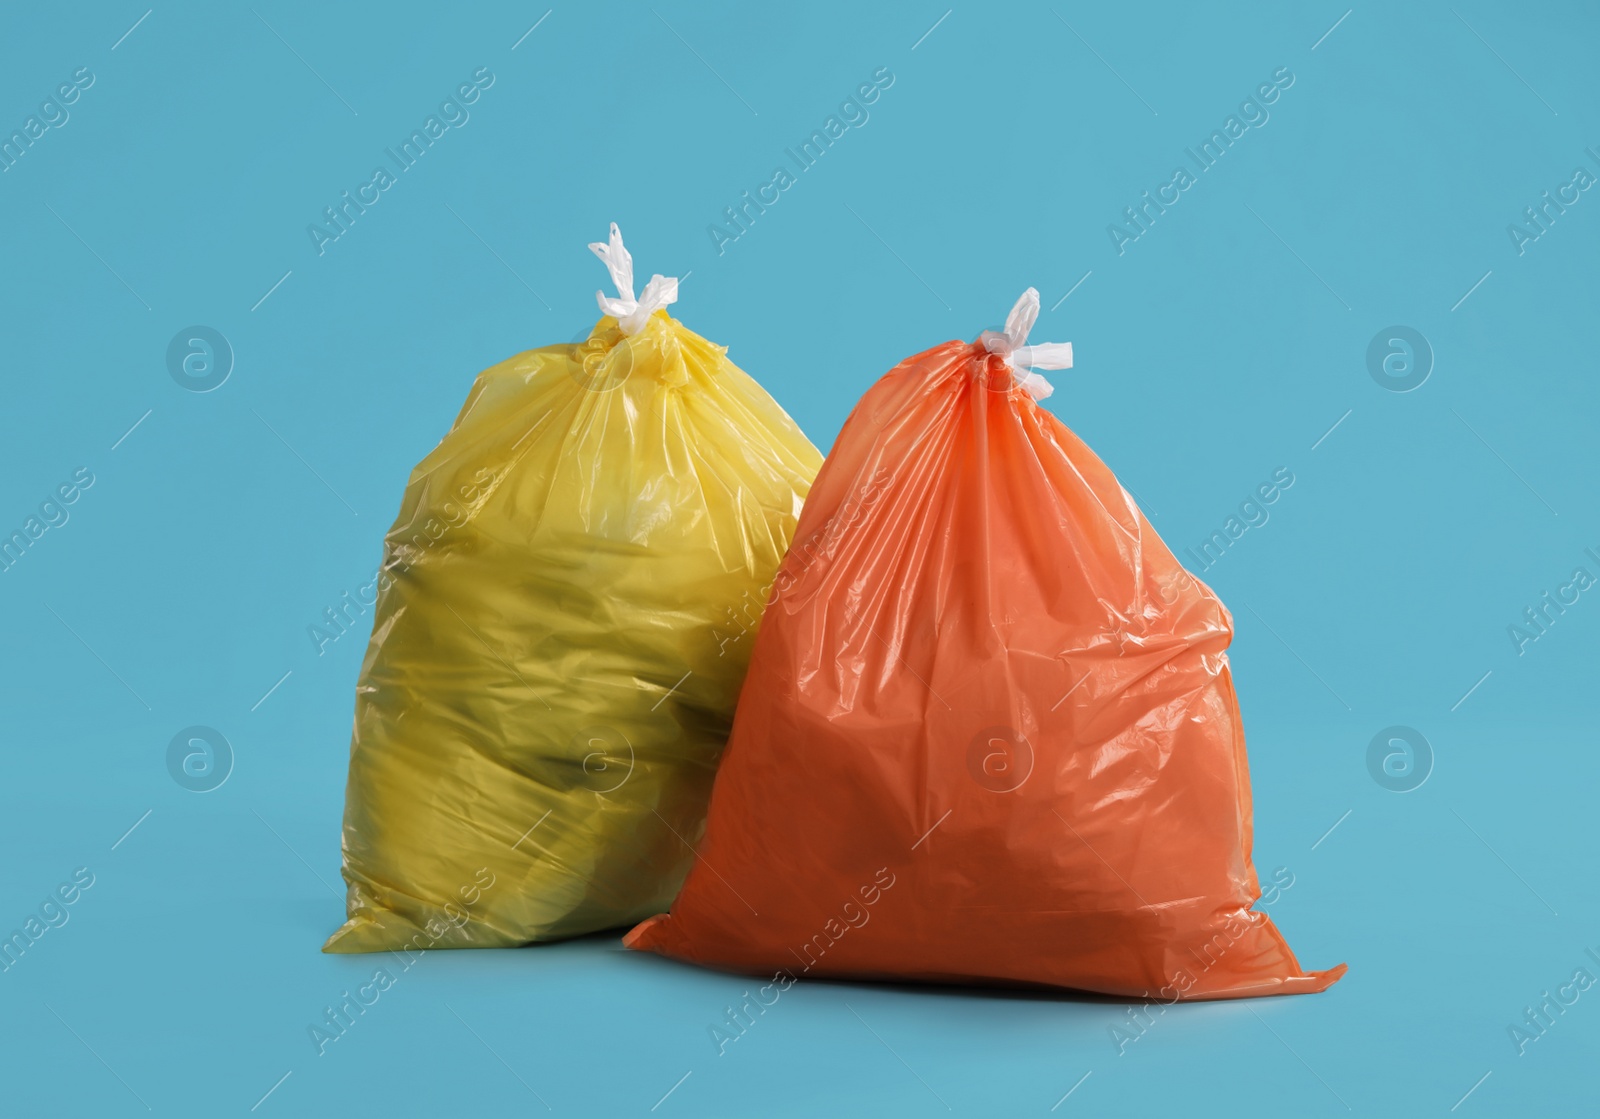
989, 733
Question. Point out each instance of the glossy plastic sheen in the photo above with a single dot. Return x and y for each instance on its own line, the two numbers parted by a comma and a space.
567, 608
989, 733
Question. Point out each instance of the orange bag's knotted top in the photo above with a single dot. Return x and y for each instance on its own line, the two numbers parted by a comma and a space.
989, 732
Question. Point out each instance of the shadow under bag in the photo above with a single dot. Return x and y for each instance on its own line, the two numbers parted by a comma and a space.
566, 609
989, 733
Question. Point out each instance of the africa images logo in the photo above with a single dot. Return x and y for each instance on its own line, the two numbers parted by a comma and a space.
341, 218
1252, 113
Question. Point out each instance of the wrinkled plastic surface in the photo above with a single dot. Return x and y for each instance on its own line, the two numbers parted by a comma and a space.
989, 733
566, 612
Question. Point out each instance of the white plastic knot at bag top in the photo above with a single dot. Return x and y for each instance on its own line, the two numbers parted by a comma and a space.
631, 314
1021, 357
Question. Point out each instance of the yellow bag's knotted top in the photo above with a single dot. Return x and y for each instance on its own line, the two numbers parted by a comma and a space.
567, 604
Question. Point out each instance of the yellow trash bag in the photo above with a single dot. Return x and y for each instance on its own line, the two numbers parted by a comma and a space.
567, 603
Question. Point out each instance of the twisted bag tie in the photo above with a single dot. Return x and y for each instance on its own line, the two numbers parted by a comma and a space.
1013, 346
631, 314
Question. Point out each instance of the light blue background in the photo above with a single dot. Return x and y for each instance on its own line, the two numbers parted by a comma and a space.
1221, 345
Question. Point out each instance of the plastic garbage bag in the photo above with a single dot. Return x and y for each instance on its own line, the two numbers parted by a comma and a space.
567, 606
989, 733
